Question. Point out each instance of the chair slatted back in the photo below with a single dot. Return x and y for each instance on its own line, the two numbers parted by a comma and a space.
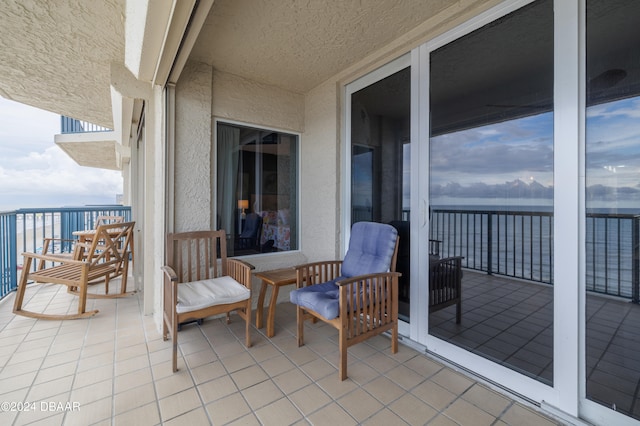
105, 220
194, 255
111, 244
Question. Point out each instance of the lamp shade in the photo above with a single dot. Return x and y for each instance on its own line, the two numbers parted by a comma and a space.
243, 204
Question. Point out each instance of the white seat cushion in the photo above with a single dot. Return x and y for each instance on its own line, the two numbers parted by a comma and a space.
215, 291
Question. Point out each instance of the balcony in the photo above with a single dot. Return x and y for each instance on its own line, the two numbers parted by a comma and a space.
116, 365
115, 368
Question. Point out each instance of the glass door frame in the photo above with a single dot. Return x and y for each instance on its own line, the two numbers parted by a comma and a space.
378, 74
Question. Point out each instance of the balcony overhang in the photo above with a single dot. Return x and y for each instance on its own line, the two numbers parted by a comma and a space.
98, 149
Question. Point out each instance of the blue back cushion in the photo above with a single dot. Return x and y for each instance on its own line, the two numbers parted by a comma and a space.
370, 249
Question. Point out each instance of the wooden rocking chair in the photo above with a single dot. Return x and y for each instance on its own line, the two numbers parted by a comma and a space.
107, 256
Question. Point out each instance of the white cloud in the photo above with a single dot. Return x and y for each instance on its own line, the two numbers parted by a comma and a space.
34, 172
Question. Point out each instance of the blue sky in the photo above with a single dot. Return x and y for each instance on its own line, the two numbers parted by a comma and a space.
35, 172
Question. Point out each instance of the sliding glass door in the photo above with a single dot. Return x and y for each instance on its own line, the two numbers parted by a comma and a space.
612, 243
507, 153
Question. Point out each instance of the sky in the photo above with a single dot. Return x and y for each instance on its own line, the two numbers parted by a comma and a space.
35, 172
511, 163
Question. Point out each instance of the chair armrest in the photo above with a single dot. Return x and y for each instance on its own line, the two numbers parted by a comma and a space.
52, 258
169, 273
317, 272
240, 271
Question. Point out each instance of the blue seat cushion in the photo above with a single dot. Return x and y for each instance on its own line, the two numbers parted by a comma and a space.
321, 298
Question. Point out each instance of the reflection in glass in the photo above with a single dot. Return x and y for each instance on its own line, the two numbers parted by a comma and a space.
491, 191
613, 205
256, 189
380, 162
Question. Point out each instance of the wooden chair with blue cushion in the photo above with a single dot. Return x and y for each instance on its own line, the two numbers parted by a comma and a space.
358, 295
199, 281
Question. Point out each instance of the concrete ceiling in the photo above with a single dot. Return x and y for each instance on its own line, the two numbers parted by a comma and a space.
56, 55
299, 44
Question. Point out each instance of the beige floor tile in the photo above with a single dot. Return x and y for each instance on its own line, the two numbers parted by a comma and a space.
134, 398
179, 403
487, 399
291, 381
331, 415
424, 366
53, 387
237, 362
217, 388
206, 372
197, 417
412, 410
310, 398
434, 394
452, 380
147, 415
228, 409
384, 390
90, 413
98, 374
248, 420
318, 368
523, 416
249, 376
262, 394
277, 365
442, 420
404, 377
361, 373
264, 352
132, 364
384, 417
131, 380
92, 392
280, 412
197, 359
173, 384
360, 405
466, 414
59, 371
336, 388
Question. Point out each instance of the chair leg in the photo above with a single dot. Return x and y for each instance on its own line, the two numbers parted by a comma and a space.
123, 282
342, 367
22, 286
247, 320
174, 341
394, 338
300, 321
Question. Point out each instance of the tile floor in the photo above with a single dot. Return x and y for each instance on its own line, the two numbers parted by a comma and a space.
115, 369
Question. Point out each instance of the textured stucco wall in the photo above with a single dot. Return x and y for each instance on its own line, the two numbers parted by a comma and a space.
239, 99
320, 175
192, 184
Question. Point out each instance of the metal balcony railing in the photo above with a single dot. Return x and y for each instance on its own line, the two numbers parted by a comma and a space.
24, 230
520, 245
71, 125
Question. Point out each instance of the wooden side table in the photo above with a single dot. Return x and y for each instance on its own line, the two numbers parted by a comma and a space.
275, 279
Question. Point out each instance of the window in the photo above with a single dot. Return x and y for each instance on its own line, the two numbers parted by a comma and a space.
257, 189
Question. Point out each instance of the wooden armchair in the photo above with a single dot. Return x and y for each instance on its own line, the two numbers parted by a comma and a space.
445, 285
196, 286
107, 256
359, 295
